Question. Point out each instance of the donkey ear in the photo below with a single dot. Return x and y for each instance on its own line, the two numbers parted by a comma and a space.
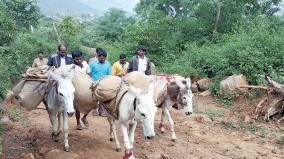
136, 92
53, 76
188, 82
150, 89
71, 72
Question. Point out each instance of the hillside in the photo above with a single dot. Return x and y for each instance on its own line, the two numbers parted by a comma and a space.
66, 7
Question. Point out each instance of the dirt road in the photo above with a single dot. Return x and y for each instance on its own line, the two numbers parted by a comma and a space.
202, 135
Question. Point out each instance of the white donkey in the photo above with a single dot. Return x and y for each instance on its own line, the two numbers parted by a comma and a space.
59, 101
178, 96
168, 93
134, 106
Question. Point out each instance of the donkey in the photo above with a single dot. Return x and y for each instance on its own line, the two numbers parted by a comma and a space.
169, 92
134, 106
59, 101
178, 96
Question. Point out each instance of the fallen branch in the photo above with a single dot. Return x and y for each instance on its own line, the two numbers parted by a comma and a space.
249, 86
259, 106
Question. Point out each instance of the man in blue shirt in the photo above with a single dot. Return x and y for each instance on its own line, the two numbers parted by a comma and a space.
100, 67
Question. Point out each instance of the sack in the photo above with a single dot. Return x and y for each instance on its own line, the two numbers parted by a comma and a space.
29, 94
140, 80
137, 79
106, 88
83, 95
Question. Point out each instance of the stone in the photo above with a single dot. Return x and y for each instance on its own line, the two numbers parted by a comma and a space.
7, 123
204, 84
231, 85
27, 156
60, 154
206, 93
194, 87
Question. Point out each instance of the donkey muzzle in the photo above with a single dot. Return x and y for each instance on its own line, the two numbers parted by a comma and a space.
188, 113
70, 114
149, 137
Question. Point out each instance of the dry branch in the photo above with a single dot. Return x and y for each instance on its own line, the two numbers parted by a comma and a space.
249, 86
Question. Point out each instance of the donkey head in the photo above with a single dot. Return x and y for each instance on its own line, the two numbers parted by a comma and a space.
145, 109
65, 89
184, 98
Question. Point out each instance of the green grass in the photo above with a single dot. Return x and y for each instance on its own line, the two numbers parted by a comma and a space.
227, 124
280, 141
215, 113
14, 113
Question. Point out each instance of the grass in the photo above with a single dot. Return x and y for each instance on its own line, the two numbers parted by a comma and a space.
248, 127
227, 124
215, 113
226, 101
14, 113
280, 141
1, 147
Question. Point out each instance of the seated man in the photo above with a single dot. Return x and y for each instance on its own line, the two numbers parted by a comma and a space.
77, 57
120, 67
40, 60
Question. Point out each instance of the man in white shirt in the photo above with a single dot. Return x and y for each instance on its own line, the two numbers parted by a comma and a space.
77, 57
140, 62
61, 58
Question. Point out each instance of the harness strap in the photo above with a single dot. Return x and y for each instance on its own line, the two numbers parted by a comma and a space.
134, 103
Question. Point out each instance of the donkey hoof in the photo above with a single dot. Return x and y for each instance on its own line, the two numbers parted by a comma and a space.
66, 149
162, 132
173, 140
111, 139
118, 149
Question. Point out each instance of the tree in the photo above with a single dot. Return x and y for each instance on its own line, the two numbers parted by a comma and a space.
69, 31
111, 25
7, 27
24, 12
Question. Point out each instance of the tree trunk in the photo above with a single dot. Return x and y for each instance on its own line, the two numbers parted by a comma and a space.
217, 18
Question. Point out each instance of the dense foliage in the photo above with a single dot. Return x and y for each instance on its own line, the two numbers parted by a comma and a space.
190, 37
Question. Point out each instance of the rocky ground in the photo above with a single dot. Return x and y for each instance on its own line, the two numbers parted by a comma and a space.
213, 131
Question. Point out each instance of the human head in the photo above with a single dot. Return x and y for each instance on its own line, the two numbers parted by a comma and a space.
40, 54
142, 50
62, 50
102, 54
77, 57
122, 58
97, 51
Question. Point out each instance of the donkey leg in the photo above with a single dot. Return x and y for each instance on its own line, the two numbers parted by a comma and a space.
173, 134
59, 124
111, 138
65, 129
54, 134
161, 126
127, 145
132, 127
113, 135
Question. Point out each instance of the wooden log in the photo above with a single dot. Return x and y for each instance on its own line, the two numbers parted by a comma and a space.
250, 86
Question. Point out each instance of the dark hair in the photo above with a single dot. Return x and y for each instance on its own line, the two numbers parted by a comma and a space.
98, 49
122, 56
102, 52
40, 52
142, 47
77, 53
61, 45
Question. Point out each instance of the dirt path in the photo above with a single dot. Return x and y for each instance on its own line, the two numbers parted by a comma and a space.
198, 137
